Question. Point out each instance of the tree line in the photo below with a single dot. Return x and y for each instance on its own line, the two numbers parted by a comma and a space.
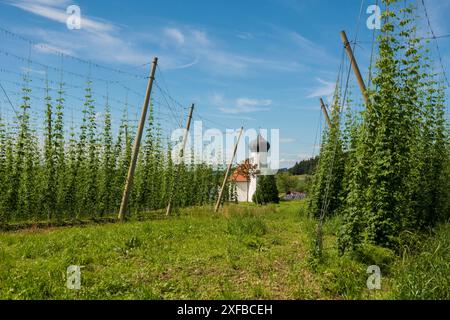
304, 167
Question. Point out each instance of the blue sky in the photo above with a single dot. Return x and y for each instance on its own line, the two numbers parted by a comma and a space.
257, 63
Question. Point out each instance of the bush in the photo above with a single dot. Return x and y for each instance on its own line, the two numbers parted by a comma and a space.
266, 191
286, 182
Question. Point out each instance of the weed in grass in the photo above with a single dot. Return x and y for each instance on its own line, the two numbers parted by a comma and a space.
425, 273
259, 292
246, 225
370, 255
346, 280
276, 240
234, 252
133, 242
147, 229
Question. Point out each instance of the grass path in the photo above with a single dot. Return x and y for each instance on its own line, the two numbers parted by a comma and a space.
245, 253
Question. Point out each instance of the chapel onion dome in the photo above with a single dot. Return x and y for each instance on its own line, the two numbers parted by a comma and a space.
259, 145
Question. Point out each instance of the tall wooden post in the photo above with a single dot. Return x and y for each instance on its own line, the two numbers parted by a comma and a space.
228, 172
186, 134
325, 112
137, 144
355, 67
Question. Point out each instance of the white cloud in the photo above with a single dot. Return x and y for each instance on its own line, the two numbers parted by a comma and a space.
186, 65
247, 102
326, 89
246, 105
45, 48
178, 46
284, 66
309, 52
175, 35
233, 117
289, 159
94, 46
218, 99
52, 2
55, 10
287, 140
184, 46
95, 39
245, 35
31, 70
196, 44
240, 105
305, 43
200, 37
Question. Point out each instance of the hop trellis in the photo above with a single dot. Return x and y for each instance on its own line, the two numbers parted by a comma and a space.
66, 146
387, 171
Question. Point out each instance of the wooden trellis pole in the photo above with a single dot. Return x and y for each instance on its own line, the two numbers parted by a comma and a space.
325, 112
186, 134
355, 67
137, 144
219, 200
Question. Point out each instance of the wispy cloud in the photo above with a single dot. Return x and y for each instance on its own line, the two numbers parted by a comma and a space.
178, 46
245, 35
46, 48
184, 46
55, 10
326, 89
240, 105
247, 102
289, 159
232, 117
287, 140
175, 35
187, 43
247, 105
97, 37
308, 51
186, 65
31, 70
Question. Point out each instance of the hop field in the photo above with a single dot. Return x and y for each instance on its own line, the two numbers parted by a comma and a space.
247, 253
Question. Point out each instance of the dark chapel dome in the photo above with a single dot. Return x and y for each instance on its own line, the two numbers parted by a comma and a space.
259, 145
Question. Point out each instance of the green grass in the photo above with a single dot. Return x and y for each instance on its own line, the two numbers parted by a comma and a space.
246, 252
424, 270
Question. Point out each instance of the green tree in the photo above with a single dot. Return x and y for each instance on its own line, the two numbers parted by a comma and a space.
266, 190
286, 183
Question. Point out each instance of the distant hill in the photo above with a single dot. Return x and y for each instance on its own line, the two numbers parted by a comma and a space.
304, 167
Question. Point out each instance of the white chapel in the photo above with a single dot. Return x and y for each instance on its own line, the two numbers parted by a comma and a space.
247, 173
